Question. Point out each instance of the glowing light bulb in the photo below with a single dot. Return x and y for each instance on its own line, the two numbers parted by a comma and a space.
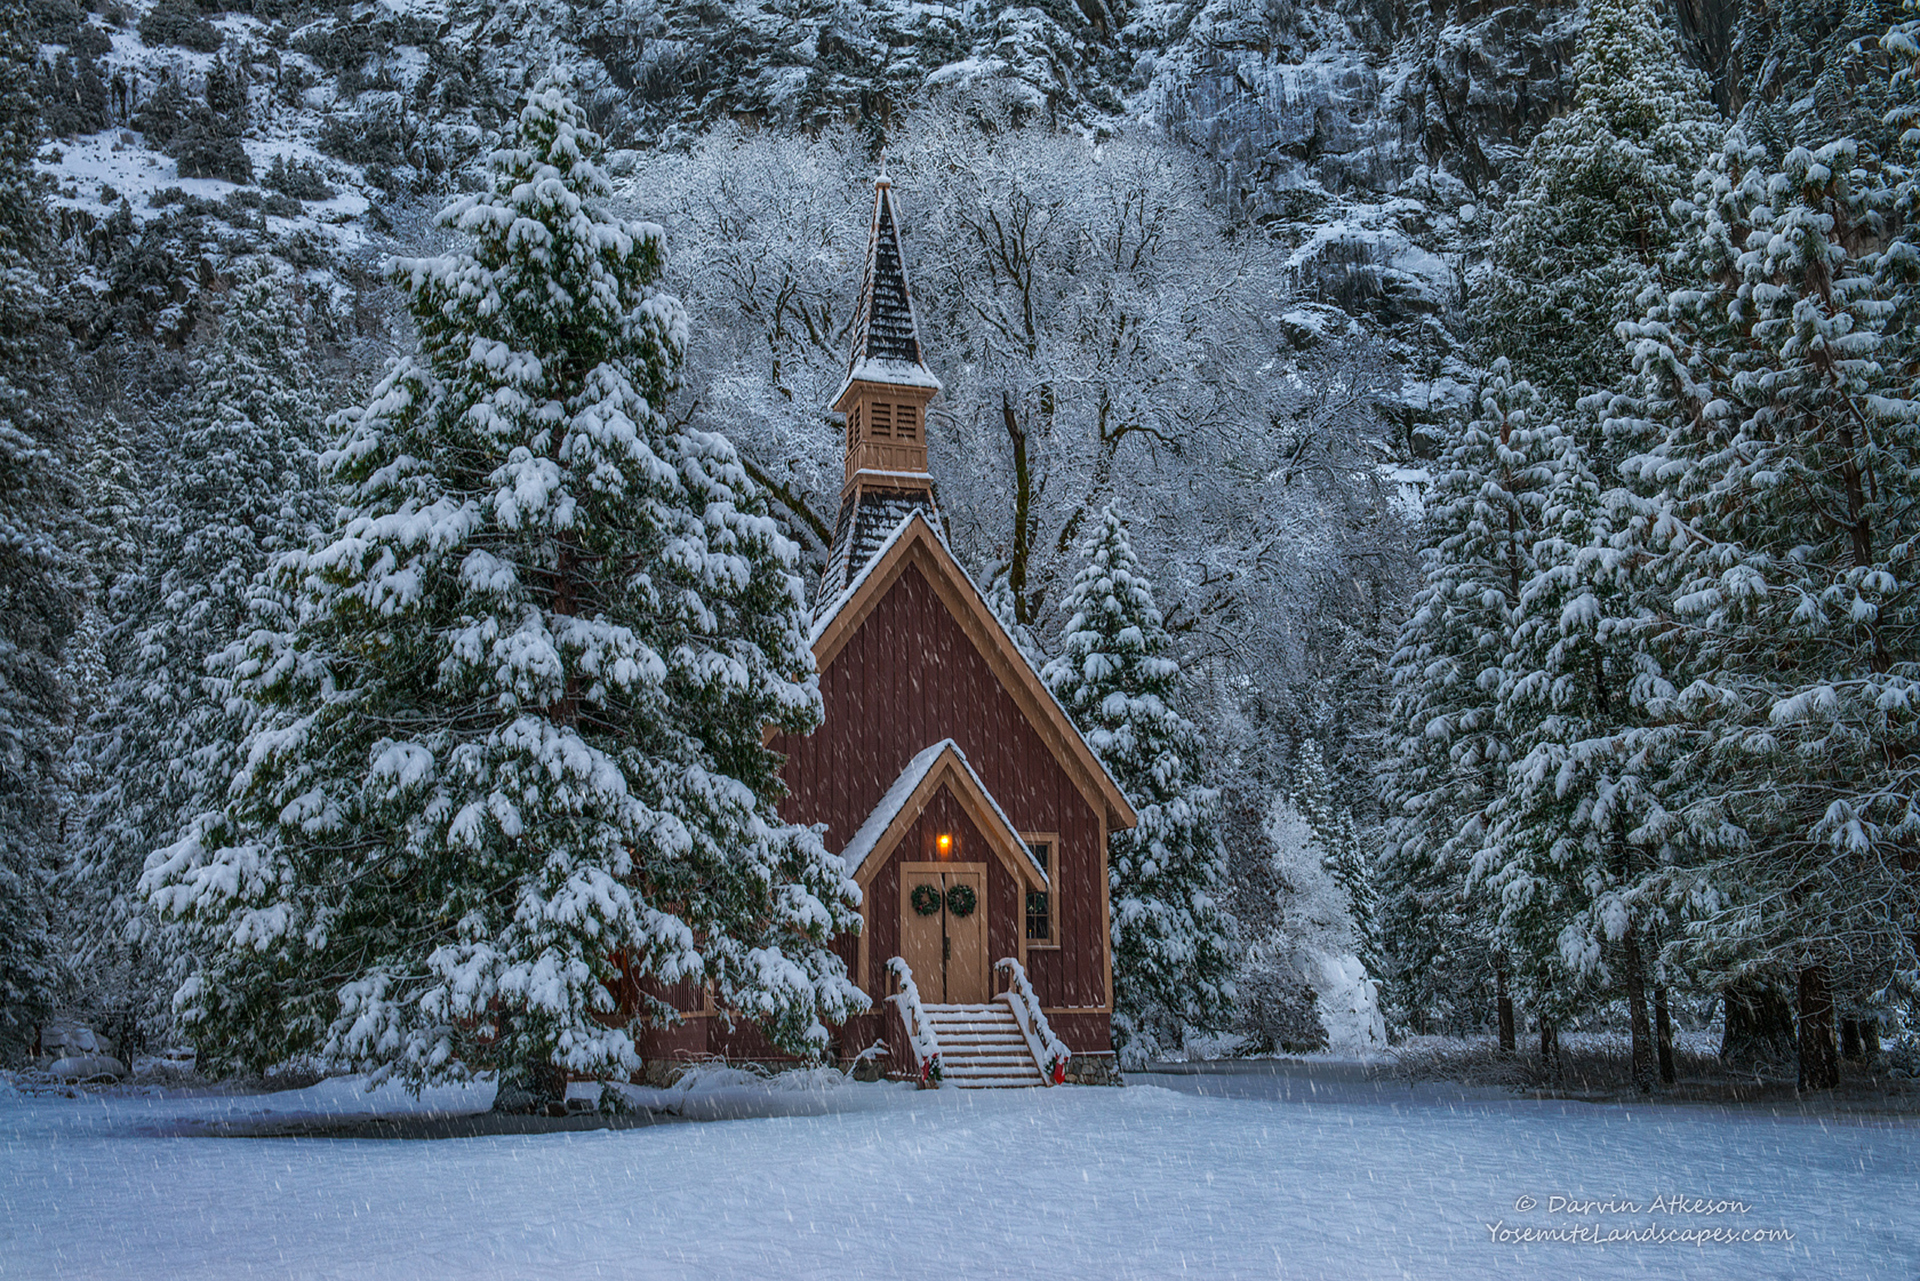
946, 843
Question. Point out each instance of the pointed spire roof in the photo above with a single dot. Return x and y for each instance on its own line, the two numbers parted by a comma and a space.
886, 338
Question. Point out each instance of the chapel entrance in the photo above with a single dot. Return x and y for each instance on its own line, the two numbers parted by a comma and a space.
943, 931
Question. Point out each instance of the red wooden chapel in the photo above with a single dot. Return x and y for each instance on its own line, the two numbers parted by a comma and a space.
946, 774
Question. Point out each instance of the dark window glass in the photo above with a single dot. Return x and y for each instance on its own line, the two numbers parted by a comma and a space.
1039, 919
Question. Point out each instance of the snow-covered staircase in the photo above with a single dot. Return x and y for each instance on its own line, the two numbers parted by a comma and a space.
982, 1047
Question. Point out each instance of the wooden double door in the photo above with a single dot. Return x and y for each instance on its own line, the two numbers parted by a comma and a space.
943, 931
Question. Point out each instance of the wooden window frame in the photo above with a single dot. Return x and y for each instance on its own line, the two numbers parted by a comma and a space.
1053, 943
880, 420
906, 421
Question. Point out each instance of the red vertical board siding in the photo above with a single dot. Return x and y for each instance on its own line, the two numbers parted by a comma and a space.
907, 678
1083, 1033
883, 892
676, 1044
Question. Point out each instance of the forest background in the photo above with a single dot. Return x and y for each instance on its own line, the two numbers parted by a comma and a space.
1401, 339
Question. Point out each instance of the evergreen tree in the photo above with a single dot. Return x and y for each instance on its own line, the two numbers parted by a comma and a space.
241, 484
1343, 853
509, 756
1899, 264
1811, 76
1902, 43
1171, 957
42, 574
1485, 512
118, 494
1001, 601
1588, 230
1784, 469
1564, 870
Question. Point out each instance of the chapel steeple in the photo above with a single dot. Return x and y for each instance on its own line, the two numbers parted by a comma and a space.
884, 400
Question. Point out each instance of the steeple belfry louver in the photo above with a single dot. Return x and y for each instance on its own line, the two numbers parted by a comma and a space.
884, 401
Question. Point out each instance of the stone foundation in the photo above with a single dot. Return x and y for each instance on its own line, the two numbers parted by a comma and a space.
1094, 1069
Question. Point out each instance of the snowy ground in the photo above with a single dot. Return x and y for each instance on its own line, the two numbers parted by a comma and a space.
1309, 1171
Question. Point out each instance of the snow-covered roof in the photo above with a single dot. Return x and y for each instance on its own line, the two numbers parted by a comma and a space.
845, 594
904, 373
895, 373
886, 339
856, 547
866, 842
882, 554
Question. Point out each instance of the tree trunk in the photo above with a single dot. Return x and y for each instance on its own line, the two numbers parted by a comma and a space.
1504, 1002
1869, 1040
1819, 1057
1550, 1048
1633, 977
1663, 1035
1759, 1034
1024, 519
1850, 1040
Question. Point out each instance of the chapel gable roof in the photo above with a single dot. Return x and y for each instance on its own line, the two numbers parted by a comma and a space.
914, 543
941, 765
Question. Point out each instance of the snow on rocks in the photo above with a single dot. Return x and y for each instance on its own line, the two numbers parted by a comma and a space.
74, 1053
88, 1068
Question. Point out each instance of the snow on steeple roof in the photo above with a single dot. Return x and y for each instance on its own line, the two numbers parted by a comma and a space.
886, 338
869, 521
831, 605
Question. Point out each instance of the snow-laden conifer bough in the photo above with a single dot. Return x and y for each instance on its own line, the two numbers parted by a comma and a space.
508, 756
241, 482
1171, 958
43, 574
1509, 484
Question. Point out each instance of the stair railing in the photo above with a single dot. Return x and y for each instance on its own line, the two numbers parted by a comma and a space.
927, 1059
1050, 1054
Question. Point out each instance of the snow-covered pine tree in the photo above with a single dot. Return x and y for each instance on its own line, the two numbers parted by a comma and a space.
1303, 978
1902, 43
1899, 264
240, 483
1001, 601
1564, 871
510, 752
1115, 677
1588, 230
1343, 852
1485, 511
1785, 471
42, 573
1433, 962
118, 498
1812, 74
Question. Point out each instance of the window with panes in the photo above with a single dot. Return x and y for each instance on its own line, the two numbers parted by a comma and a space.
1043, 926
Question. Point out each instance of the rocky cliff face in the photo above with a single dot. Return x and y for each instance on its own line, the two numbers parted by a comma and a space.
1364, 137
1359, 138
